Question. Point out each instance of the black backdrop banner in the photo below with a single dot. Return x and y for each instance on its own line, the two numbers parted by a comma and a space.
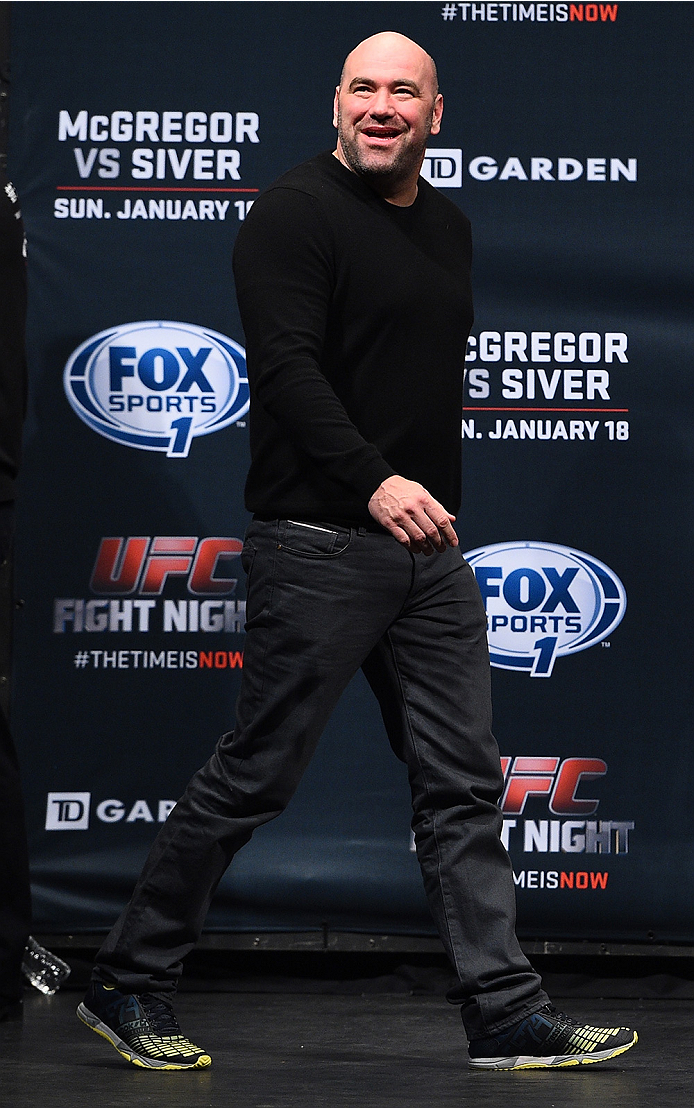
140, 135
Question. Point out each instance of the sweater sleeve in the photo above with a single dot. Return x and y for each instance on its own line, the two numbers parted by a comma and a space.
284, 272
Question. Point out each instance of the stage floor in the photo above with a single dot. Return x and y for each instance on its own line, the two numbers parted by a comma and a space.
312, 1051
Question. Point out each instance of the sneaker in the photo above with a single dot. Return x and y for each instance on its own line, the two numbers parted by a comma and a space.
143, 1029
549, 1038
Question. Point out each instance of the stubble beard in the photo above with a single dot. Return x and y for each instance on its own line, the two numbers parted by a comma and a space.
372, 166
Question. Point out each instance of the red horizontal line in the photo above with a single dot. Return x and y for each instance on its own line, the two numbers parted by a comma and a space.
139, 188
487, 409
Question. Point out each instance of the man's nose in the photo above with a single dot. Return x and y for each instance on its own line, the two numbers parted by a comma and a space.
381, 106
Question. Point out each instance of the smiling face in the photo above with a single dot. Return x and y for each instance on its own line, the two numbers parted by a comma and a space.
386, 106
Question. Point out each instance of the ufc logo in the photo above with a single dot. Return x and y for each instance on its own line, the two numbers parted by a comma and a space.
143, 565
546, 777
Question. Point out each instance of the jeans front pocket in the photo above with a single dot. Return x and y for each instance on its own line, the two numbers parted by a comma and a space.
312, 540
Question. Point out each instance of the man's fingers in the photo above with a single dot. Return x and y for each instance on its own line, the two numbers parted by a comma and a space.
416, 545
443, 520
434, 536
400, 534
413, 516
441, 533
446, 529
423, 530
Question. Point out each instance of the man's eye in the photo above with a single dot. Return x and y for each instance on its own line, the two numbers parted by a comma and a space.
404, 92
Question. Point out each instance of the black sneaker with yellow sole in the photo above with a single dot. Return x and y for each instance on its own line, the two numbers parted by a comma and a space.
143, 1029
546, 1039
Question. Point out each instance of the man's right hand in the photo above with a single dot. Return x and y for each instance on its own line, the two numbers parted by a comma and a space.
412, 516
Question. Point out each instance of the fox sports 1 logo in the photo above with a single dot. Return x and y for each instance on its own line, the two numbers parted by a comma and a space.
544, 601
156, 385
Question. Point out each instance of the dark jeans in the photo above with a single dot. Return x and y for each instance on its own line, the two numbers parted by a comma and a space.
322, 603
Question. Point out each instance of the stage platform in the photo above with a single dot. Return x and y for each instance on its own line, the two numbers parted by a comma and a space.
312, 1050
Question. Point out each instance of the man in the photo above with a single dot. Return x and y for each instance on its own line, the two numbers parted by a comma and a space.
353, 285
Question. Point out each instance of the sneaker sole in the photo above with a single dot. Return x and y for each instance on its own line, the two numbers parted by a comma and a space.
128, 1053
533, 1062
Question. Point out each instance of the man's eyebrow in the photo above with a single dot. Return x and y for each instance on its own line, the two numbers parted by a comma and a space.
369, 81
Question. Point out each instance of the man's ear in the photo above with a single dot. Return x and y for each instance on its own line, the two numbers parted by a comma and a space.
436, 115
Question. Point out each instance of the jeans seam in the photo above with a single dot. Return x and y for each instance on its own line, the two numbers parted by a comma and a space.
426, 789
275, 542
239, 760
269, 606
135, 911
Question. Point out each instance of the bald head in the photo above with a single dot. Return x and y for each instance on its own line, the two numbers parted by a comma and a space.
386, 106
396, 49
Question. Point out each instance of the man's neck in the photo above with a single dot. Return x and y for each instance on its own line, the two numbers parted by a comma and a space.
402, 194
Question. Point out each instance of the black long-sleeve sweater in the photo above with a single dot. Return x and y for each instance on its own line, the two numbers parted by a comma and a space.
356, 314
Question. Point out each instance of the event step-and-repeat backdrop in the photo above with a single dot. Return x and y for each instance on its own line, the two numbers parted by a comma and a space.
141, 134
